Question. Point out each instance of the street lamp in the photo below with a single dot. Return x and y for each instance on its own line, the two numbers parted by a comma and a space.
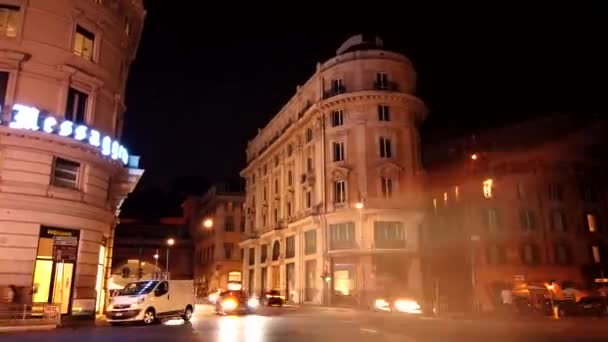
170, 242
156, 260
208, 223
359, 205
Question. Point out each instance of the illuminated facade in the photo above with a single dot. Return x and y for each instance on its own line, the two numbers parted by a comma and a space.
63, 172
332, 182
522, 204
216, 223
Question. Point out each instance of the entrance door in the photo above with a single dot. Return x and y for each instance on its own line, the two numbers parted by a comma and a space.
62, 285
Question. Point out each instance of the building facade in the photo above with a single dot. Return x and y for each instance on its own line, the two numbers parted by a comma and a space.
63, 172
332, 182
142, 251
525, 204
216, 222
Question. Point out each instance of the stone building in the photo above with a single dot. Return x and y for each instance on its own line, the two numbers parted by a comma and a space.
522, 204
63, 172
332, 182
216, 224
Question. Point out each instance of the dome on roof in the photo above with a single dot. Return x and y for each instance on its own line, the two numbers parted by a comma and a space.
360, 42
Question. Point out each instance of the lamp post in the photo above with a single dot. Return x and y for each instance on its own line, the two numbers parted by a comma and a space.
170, 242
156, 260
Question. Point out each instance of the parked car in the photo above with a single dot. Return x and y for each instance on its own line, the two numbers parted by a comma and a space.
235, 302
149, 300
274, 297
587, 306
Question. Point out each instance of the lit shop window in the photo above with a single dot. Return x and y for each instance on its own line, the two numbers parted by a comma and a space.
488, 188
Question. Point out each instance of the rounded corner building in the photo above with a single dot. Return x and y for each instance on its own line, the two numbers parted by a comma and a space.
63, 171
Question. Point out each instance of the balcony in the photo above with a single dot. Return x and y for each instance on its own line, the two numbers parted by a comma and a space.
334, 91
388, 86
343, 244
390, 244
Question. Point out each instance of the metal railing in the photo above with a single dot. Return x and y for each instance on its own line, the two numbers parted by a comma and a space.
27, 314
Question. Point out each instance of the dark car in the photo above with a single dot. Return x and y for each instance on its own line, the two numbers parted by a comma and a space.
587, 306
273, 297
235, 302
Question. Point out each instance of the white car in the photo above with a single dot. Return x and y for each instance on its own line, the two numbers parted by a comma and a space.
149, 300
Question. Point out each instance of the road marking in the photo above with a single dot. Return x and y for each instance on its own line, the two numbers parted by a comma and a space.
369, 330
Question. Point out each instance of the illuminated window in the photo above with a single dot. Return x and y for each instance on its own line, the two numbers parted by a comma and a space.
337, 118
445, 198
384, 113
339, 191
76, 106
487, 188
84, 42
457, 193
435, 205
595, 253
338, 151
8, 20
592, 222
385, 148
65, 173
387, 187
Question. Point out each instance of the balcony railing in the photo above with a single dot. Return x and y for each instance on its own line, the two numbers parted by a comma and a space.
334, 91
342, 244
389, 86
390, 244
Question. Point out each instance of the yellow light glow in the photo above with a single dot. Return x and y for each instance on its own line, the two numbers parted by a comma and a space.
359, 205
407, 306
382, 304
170, 242
474, 156
234, 286
155, 256
487, 188
229, 304
208, 223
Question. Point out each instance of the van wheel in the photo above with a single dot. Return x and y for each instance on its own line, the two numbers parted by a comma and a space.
149, 317
187, 313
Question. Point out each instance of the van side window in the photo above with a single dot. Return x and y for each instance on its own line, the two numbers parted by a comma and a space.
162, 289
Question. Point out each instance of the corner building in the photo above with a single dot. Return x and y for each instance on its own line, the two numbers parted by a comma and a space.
332, 182
63, 173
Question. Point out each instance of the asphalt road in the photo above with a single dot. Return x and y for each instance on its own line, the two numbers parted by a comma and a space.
326, 324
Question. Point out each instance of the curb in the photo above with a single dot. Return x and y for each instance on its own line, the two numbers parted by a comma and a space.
16, 328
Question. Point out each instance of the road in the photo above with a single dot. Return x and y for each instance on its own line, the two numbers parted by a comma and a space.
327, 324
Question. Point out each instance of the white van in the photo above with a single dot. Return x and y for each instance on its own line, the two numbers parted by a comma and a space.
148, 300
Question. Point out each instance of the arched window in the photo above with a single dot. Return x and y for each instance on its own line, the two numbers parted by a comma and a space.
276, 250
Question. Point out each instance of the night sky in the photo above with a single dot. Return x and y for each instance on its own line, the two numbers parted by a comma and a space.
203, 83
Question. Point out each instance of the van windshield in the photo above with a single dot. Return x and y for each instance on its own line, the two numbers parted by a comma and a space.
138, 288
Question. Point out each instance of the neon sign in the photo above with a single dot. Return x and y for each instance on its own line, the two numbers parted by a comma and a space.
31, 119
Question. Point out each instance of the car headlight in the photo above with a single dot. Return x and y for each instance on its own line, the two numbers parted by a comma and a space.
229, 304
407, 305
253, 302
382, 304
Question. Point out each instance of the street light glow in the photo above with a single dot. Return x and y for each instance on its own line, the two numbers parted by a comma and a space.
208, 223
359, 205
170, 242
156, 256
474, 156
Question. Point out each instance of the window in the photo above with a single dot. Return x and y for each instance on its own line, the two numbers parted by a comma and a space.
162, 289
342, 235
251, 256
229, 224
289, 150
337, 86
337, 118
491, 220
228, 248
381, 80
310, 242
308, 134
264, 193
389, 234
76, 106
558, 221
265, 169
8, 20
457, 193
526, 219
291, 247
591, 222
496, 255
288, 208
445, 199
339, 191
253, 178
588, 193
308, 199
242, 224
385, 148
338, 151
530, 254
387, 187
289, 178
228, 206
595, 254
383, 113
434, 205
84, 42
3, 87
275, 216
276, 161
212, 252
276, 186
263, 220
264, 253
555, 192
276, 250
65, 173
488, 188
309, 164
521, 191
563, 255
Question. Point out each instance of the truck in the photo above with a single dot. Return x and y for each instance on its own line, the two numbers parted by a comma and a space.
147, 301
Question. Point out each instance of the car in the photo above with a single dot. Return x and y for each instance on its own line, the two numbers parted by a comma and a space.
587, 306
235, 302
273, 297
404, 304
